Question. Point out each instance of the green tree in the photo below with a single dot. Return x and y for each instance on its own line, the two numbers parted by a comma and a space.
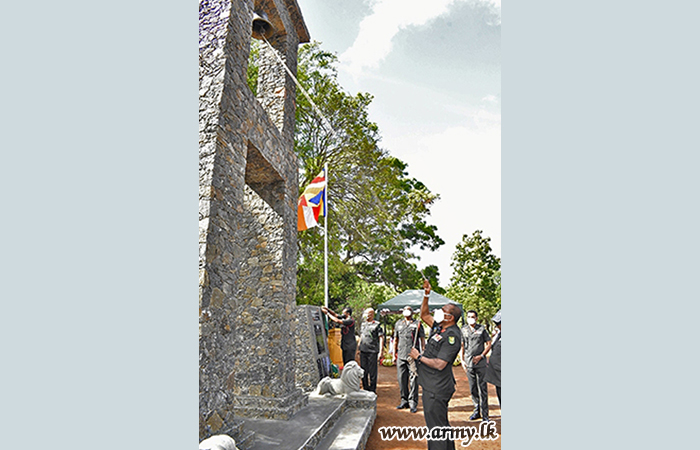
252, 70
378, 213
476, 278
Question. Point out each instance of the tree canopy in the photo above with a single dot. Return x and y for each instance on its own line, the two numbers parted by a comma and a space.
377, 212
476, 278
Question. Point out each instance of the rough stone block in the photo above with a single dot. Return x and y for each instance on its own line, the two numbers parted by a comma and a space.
248, 189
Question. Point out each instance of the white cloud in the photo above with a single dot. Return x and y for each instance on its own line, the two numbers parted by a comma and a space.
388, 17
374, 40
463, 165
485, 119
469, 164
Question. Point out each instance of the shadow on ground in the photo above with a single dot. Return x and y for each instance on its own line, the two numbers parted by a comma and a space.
460, 409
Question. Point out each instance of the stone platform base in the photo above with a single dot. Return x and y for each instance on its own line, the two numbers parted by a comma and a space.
268, 407
338, 423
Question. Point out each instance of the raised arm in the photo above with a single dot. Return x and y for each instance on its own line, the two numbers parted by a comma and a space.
424, 309
331, 314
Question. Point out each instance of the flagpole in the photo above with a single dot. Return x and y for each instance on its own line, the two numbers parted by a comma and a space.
327, 124
325, 238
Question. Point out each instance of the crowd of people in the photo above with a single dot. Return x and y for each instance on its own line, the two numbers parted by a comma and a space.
428, 362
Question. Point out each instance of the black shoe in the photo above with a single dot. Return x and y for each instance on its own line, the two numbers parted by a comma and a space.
485, 419
402, 406
414, 409
475, 416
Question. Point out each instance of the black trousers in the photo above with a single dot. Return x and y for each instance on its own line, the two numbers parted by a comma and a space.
368, 361
349, 355
435, 413
479, 390
498, 391
408, 383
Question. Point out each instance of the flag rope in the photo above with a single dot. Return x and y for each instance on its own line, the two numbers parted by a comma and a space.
324, 120
333, 133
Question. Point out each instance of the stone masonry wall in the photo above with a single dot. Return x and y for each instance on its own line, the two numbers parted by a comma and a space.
306, 349
247, 218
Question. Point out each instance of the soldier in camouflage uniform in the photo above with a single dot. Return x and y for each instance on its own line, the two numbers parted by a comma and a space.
371, 345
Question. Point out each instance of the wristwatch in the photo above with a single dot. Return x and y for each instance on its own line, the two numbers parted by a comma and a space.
419, 357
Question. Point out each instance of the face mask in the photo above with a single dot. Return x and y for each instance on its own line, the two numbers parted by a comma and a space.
471, 320
407, 313
438, 316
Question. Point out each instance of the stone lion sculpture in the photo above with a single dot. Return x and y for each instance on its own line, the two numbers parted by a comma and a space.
218, 442
349, 381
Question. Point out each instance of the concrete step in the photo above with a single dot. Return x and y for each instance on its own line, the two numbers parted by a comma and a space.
245, 441
350, 432
303, 431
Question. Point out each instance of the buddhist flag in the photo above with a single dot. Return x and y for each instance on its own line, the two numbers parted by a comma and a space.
312, 203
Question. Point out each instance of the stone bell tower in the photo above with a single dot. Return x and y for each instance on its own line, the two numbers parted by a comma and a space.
248, 190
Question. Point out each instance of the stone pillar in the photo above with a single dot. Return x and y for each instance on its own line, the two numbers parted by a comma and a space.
247, 219
310, 347
275, 88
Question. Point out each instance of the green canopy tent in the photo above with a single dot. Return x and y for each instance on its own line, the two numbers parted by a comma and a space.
414, 298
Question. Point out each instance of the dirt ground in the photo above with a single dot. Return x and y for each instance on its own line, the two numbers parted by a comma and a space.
460, 408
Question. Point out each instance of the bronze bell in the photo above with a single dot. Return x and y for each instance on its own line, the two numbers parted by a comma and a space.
261, 26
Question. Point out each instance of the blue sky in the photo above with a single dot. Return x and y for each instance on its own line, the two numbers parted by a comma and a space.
434, 69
